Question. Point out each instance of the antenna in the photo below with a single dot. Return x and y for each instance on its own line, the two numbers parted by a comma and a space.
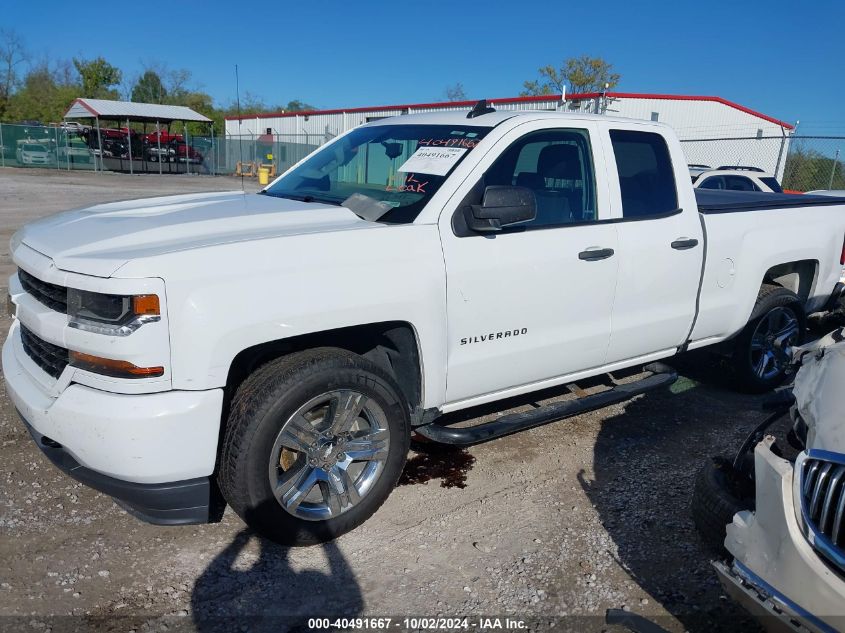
480, 108
240, 136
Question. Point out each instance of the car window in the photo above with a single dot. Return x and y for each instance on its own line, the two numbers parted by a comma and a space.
713, 182
740, 183
646, 177
771, 183
557, 166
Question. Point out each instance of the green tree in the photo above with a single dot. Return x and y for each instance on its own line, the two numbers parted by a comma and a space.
807, 169
44, 95
149, 88
98, 77
577, 74
456, 92
12, 55
204, 104
296, 106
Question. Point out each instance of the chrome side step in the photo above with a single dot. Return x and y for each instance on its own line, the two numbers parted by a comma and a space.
662, 376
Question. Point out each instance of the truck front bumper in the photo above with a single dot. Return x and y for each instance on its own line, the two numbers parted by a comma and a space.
154, 453
776, 574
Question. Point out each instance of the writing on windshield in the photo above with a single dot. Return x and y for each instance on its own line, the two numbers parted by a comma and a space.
398, 167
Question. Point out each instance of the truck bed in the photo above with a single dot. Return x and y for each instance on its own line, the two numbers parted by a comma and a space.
748, 234
715, 201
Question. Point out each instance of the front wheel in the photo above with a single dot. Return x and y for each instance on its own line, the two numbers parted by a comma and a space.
718, 494
763, 351
315, 443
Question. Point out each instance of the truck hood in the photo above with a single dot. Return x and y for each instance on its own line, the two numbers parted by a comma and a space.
98, 240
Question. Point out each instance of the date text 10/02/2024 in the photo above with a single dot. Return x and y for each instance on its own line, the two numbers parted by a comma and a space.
417, 624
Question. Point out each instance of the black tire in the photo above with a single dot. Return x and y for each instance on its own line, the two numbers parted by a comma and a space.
259, 409
717, 496
770, 299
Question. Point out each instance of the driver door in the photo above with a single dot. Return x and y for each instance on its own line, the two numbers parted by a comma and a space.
531, 304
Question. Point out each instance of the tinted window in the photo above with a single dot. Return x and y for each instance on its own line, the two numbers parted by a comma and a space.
646, 178
740, 183
772, 183
558, 167
714, 182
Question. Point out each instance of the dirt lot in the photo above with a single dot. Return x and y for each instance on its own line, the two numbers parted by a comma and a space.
554, 525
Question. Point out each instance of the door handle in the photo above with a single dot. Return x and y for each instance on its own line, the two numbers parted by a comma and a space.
684, 243
595, 254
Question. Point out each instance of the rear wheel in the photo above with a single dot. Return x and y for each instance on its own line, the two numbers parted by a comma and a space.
315, 443
763, 351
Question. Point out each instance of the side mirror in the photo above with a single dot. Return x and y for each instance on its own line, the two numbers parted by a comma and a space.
502, 206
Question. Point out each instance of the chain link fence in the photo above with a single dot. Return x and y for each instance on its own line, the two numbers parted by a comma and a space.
801, 163
82, 147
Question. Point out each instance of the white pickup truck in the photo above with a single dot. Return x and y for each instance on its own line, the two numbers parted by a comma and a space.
281, 347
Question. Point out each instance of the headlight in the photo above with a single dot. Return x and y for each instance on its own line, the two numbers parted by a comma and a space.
115, 315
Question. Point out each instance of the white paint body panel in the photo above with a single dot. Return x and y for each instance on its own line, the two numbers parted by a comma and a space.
138, 438
531, 281
741, 247
654, 302
234, 271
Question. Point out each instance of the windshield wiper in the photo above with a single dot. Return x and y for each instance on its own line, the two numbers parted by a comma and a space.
305, 198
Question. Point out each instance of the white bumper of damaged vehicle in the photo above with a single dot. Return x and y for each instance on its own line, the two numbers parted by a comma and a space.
776, 571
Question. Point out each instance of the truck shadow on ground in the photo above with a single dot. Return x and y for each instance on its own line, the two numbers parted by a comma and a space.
645, 462
240, 591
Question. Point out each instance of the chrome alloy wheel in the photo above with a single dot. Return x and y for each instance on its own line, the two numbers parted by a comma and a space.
772, 341
329, 454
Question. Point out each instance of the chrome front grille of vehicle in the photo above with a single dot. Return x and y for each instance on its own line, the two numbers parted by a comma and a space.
823, 505
51, 358
51, 295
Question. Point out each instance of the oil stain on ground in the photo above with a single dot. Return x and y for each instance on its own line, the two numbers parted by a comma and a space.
448, 463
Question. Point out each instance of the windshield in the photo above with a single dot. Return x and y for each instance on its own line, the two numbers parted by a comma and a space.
383, 173
34, 148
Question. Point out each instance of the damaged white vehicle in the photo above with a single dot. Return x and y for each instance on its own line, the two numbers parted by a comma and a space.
788, 564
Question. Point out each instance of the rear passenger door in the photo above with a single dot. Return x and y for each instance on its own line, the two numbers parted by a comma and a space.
660, 244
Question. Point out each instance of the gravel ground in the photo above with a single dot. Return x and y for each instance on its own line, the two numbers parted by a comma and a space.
27, 194
554, 525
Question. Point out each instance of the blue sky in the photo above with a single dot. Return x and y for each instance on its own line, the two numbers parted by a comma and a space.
786, 59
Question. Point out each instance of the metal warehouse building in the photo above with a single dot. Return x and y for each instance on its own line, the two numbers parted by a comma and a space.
713, 130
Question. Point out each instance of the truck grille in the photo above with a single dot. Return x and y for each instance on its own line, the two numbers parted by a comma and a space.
51, 295
51, 358
823, 501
